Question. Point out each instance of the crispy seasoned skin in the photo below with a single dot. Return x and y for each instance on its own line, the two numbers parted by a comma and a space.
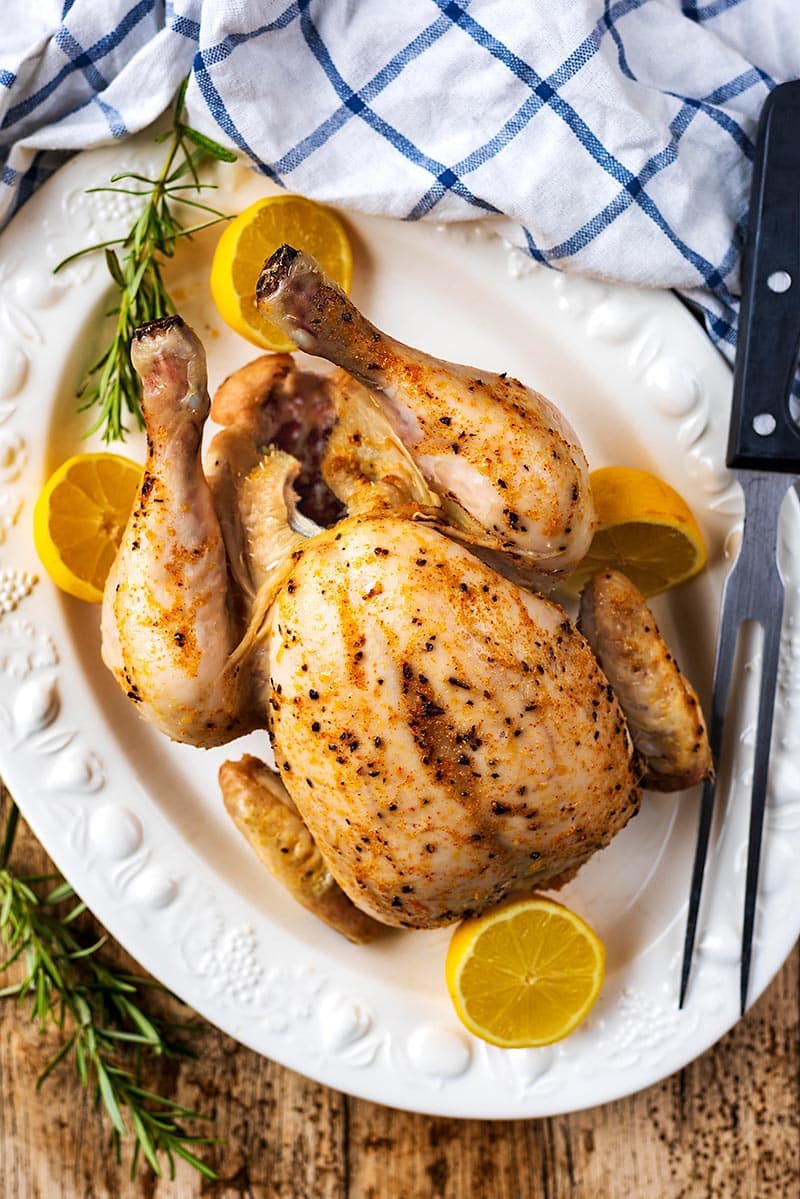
366, 464
447, 736
263, 811
505, 462
662, 708
167, 625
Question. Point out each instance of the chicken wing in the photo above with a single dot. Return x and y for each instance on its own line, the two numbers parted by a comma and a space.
262, 810
663, 712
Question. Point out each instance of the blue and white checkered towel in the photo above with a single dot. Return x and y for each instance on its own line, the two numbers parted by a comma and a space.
615, 136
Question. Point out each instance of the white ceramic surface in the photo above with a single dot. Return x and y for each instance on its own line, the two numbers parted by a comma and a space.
136, 823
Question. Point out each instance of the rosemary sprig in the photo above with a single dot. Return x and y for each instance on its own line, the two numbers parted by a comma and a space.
107, 1031
111, 384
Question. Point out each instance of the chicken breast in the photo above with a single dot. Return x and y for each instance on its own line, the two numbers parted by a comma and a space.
447, 736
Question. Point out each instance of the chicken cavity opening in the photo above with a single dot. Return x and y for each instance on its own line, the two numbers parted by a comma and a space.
293, 411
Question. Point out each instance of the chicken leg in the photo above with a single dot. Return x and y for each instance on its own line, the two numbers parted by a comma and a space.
169, 624
507, 465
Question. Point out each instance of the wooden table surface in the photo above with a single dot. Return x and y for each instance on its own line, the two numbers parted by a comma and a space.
726, 1127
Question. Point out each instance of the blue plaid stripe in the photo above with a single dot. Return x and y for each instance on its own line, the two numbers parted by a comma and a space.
366, 94
707, 12
186, 28
206, 59
609, 21
25, 183
222, 50
216, 107
721, 326
542, 88
624, 198
707, 103
116, 124
526, 111
444, 176
731, 127
80, 60
634, 185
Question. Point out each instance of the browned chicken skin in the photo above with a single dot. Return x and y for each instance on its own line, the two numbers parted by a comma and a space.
507, 466
168, 628
262, 810
446, 736
663, 711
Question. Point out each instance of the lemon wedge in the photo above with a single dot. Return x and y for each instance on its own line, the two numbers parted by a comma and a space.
524, 974
252, 237
79, 519
645, 529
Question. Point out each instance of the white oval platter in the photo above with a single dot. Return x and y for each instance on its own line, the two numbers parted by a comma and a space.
136, 824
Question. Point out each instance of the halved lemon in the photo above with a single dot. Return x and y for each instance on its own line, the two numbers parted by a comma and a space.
645, 529
255, 234
525, 974
79, 519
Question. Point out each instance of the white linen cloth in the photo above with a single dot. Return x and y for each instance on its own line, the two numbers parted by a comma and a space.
613, 137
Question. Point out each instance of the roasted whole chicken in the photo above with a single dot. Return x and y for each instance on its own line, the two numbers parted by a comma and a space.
352, 569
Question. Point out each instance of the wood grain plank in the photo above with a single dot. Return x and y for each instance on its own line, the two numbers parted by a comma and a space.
283, 1134
728, 1125
725, 1126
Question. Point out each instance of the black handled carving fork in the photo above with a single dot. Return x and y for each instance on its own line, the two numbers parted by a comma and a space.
764, 452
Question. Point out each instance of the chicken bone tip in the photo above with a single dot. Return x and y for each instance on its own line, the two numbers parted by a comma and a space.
162, 325
275, 270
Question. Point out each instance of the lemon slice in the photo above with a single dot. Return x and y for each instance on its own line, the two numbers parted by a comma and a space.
525, 974
79, 519
251, 237
645, 529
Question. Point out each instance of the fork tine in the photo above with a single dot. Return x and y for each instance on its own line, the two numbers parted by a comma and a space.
698, 869
766, 706
723, 668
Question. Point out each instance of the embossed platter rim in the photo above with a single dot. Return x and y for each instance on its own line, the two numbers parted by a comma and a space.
134, 822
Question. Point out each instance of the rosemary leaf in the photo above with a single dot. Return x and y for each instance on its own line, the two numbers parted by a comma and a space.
114, 269
110, 1100
198, 1165
143, 1138
68, 985
111, 385
88, 950
58, 894
221, 153
77, 911
56, 1058
8, 837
